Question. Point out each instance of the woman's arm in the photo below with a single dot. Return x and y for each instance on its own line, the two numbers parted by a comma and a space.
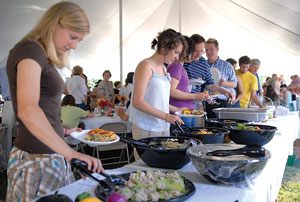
174, 109
180, 95
90, 114
143, 73
28, 94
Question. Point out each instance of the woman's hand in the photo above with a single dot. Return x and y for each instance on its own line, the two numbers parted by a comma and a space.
94, 164
70, 130
201, 96
171, 118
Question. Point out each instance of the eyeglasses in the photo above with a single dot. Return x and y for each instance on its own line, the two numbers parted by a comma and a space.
202, 52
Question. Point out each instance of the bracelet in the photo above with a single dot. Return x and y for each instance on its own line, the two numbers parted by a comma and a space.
167, 116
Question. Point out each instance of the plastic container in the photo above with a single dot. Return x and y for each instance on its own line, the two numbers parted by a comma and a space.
249, 114
291, 160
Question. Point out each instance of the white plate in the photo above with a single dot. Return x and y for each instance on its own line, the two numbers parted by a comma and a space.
81, 137
179, 113
216, 74
196, 82
214, 96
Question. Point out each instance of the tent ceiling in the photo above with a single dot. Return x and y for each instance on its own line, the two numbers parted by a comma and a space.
265, 29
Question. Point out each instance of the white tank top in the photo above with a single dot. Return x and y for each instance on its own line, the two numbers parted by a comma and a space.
158, 95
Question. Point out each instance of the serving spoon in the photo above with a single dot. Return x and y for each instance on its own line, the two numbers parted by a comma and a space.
249, 150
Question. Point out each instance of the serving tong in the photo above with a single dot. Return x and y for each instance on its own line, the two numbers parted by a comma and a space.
132, 141
105, 187
157, 146
249, 150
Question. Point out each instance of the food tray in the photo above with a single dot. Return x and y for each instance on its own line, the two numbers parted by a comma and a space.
249, 114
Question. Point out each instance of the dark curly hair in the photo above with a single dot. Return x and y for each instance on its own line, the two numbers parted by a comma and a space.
168, 40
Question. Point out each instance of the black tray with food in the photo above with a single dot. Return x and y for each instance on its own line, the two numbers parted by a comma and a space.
148, 187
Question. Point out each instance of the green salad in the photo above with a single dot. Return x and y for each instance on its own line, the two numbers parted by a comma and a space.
153, 186
241, 126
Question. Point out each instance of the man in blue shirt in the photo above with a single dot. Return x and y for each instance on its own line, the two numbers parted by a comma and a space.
8, 115
227, 80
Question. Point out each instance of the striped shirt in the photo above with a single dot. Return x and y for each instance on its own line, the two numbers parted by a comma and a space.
227, 72
199, 69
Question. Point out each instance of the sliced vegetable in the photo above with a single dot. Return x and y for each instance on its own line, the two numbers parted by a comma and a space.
115, 197
82, 196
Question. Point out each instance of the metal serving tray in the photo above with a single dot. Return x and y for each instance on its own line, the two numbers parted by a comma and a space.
249, 114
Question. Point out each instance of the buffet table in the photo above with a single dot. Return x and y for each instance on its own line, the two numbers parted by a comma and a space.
98, 121
262, 189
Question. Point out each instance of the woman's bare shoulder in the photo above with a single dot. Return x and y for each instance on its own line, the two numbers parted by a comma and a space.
144, 66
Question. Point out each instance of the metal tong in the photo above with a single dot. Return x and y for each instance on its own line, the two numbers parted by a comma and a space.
107, 188
249, 150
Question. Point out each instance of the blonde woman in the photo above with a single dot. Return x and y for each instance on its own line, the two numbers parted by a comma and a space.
38, 163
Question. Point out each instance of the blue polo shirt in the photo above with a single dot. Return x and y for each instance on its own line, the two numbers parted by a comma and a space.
227, 72
199, 69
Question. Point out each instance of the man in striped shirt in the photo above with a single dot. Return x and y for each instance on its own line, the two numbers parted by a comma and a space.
199, 68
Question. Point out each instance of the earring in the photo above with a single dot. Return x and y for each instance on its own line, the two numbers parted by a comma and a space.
165, 58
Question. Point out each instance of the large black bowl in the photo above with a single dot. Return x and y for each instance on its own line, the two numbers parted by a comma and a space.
164, 158
230, 170
220, 123
217, 137
252, 137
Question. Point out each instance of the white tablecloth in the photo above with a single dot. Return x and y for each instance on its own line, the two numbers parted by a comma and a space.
262, 189
96, 122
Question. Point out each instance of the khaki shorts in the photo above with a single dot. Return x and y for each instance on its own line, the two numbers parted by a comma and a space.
138, 134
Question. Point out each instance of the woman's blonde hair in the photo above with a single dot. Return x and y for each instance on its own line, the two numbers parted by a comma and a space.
69, 15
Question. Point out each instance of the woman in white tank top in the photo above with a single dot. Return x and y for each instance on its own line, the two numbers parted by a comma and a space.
150, 108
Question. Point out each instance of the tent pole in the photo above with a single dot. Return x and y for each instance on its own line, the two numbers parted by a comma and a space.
121, 39
179, 15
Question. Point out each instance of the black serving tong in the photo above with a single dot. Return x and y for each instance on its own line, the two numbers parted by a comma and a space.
180, 128
81, 166
249, 150
137, 143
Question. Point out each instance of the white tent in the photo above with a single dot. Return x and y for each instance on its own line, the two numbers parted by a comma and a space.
264, 29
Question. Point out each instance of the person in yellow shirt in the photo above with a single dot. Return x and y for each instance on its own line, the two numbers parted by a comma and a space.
249, 82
